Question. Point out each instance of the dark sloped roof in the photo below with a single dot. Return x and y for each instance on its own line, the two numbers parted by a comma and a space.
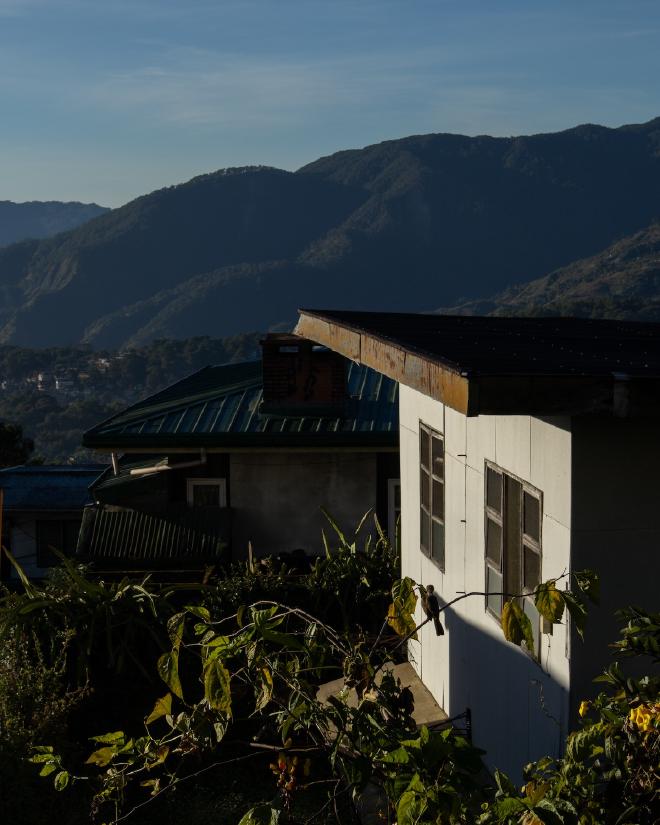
220, 406
48, 487
478, 345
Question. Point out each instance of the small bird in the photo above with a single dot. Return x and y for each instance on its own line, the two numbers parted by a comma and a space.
431, 606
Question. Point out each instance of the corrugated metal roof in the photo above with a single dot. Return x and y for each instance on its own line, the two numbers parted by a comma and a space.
222, 405
48, 487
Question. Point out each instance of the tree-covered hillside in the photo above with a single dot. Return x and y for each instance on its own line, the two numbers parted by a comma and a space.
408, 224
56, 394
41, 219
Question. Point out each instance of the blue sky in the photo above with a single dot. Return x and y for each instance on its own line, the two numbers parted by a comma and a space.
108, 100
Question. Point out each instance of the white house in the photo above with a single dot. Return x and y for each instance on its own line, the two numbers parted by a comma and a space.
529, 447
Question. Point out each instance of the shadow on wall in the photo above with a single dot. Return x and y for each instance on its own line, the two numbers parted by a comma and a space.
519, 712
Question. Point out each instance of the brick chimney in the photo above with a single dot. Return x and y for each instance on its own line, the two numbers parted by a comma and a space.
302, 377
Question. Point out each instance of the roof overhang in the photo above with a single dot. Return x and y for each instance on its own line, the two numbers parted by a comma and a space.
427, 375
472, 394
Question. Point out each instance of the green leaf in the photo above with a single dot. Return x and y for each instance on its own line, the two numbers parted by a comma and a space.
576, 610
217, 686
168, 670
335, 527
117, 737
102, 757
516, 626
163, 707
400, 612
549, 602
48, 768
175, 627
61, 780
261, 815
410, 808
266, 691
201, 612
29, 588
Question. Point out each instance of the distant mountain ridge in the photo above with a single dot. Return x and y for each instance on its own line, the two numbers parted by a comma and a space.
407, 224
621, 282
42, 219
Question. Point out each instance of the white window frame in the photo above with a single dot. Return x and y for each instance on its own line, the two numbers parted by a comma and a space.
526, 541
436, 555
191, 483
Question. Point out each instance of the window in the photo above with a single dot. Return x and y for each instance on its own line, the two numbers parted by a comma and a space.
207, 492
432, 494
59, 535
513, 515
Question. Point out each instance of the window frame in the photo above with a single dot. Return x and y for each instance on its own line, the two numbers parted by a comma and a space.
513, 583
437, 556
193, 482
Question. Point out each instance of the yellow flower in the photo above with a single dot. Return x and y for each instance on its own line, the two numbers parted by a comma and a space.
642, 717
584, 707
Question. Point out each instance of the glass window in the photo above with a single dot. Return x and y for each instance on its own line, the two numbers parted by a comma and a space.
432, 494
512, 556
207, 492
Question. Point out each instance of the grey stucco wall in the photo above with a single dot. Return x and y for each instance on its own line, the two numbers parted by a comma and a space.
275, 497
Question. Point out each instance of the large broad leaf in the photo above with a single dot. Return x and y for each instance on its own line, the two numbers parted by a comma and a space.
102, 757
400, 613
576, 609
175, 627
549, 602
163, 707
516, 625
217, 686
261, 815
410, 808
168, 670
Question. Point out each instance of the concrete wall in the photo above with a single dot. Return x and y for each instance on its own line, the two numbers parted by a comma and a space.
275, 497
616, 531
511, 697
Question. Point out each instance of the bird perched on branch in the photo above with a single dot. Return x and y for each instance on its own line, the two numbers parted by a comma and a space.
431, 606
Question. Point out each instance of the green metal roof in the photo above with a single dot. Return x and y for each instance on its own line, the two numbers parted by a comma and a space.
220, 406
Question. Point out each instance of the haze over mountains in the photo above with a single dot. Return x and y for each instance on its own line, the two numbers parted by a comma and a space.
408, 224
41, 219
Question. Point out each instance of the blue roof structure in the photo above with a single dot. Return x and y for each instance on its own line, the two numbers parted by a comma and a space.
221, 406
50, 488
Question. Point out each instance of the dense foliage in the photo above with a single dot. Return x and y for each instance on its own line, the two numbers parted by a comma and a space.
14, 447
110, 382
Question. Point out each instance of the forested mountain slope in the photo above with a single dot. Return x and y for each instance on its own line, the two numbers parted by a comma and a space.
407, 224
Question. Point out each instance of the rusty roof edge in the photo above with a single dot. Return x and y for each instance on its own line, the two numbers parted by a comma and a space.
411, 367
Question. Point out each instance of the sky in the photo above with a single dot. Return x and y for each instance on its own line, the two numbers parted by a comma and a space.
105, 101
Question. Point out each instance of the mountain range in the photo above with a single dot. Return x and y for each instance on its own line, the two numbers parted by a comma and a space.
621, 282
41, 219
409, 224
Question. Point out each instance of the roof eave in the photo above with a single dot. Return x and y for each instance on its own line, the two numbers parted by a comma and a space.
413, 369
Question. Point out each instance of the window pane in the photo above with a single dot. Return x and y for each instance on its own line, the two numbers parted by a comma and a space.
424, 489
494, 489
424, 530
438, 457
424, 448
531, 568
532, 613
438, 547
494, 542
438, 500
206, 495
493, 585
532, 516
